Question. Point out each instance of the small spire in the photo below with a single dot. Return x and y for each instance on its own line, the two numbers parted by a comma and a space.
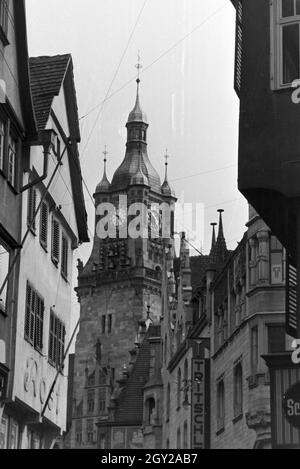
166, 188
104, 185
213, 242
137, 114
221, 231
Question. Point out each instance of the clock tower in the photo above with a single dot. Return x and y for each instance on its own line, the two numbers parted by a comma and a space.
120, 286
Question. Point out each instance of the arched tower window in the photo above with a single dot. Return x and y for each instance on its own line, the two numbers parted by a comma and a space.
150, 411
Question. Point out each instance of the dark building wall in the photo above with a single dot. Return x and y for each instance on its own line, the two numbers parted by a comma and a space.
269, 142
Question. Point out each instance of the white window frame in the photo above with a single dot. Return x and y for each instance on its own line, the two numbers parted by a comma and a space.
277, 23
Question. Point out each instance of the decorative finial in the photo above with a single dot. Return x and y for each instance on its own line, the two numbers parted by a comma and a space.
213, 243
138, 66
105, 153
167, 156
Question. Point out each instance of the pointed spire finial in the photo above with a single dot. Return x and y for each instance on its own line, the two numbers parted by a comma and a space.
105, 153
221, 232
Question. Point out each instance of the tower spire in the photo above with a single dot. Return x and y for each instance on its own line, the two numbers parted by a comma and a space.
213, 242
166, 188
104, 185
221, 231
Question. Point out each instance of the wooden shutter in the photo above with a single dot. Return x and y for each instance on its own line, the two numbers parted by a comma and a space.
55, 241
44, 225
238, 48
27, 311
39, 323
291, 299
64, 257
31, 209
51, 348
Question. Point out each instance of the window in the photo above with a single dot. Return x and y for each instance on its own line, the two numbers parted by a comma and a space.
238, 390
34, 318
12, 159
4, 266
168, 402
102, 401
178, 388
103, 324
276, 338
90, 431
44, 225
57, 334
150, 411
276, 261
238, 47
64, 256
91, 401
55, 242
178, 438
32, 198
185, 436
220, 405
286, 39
78, 432
2, 144
4, 20
109, 324
254, 349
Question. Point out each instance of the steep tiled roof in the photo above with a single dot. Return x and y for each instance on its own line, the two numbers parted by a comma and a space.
130, 402
46, 76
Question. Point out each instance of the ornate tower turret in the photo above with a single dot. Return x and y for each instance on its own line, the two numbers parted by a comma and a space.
124, 273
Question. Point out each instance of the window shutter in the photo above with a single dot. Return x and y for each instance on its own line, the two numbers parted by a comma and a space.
39, 320
44, 225
64, 259
27, 311
238, 47
31, 209
55, 241
291, 299
51, 338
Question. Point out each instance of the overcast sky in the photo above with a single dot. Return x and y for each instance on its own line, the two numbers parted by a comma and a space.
186, 91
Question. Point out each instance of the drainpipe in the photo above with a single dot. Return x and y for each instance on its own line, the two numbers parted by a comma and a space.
47, 139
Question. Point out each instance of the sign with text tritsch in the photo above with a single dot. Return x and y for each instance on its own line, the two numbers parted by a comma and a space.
198, 404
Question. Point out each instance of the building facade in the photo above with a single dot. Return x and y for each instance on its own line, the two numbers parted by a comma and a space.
53, 224
17, 130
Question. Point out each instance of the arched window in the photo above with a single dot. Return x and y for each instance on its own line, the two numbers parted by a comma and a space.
238, 390
220, 405
168, 402
178, 388
150, 411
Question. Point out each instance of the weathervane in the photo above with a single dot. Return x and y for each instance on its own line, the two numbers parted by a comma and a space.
139, 66
167, 156
105, 153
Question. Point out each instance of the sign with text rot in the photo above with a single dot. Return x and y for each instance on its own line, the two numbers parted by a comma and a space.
291, 405
198, 404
